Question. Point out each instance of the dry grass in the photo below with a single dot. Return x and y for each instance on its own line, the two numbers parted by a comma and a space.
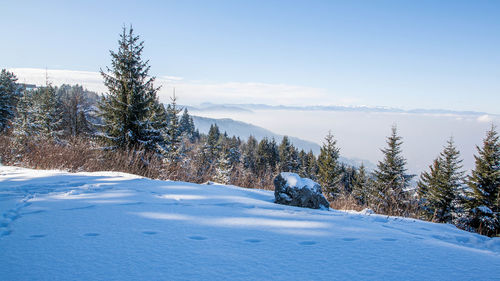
78, 155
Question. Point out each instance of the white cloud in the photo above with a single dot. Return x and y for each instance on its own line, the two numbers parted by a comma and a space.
193, 92
484, 119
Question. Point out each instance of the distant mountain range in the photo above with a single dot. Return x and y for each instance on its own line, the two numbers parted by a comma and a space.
252, 107
244, 130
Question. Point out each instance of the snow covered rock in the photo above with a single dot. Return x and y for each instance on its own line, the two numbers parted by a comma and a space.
291, 189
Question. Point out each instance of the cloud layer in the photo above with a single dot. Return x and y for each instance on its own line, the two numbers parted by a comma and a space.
192, 92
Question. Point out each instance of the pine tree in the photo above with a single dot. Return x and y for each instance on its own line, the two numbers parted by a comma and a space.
288, 156
10, 93
173, 132
223, 166
187, 127
213, 143
38, 115
249, 155
439, 188
49, 116
328, 166
24, 124
361, 186
267, 157
312, 166
128, 109
484, 203
77, 110
391, 178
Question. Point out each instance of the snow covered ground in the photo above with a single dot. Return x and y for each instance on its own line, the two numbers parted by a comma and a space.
112, 226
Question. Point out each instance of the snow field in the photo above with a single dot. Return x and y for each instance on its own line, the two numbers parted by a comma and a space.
56, 225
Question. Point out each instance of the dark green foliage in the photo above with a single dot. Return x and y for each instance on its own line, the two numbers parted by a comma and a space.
267, 156
130, 111
249, 155
10, 93
328, 166
439, 188
187, 128
391, 178
484, 199
361, 186
173, 132
288, 156
213, 143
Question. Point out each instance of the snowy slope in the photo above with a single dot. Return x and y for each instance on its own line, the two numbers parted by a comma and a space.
112, 226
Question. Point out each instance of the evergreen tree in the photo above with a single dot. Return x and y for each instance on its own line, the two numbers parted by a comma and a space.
312, 166
10, 93
49, 115
223, 166
130, 110
484, 203
391, 178
361, 186
347, 178
328, 166
267, 157
288, 156
213, 143
187, 126
173, 132
439, 188
249, 155
77, 109
25, 127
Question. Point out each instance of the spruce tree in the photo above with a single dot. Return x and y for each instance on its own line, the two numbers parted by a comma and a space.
361, 187
129, 109
77, 110
10, 93
312, 166
249, 155
288, 156
173, 132
223, 166
187, 126
439, 188
213, 143
328, 166
38, 115
50, 115
391, 178
484, 203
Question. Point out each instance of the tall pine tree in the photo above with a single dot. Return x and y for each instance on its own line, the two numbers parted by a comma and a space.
10, 93
328, 166
130, 108
391, 178
439, 188
484, 203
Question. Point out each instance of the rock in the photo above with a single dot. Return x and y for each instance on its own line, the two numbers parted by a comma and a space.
291, 189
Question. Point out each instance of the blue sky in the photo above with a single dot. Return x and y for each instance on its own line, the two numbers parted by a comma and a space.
409, 54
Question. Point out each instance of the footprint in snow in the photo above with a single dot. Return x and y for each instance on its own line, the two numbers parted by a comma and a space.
199, 238
91, 234
307, 243
80, 208
149, 232
37, 236
252, 240
350, 239
389, 239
